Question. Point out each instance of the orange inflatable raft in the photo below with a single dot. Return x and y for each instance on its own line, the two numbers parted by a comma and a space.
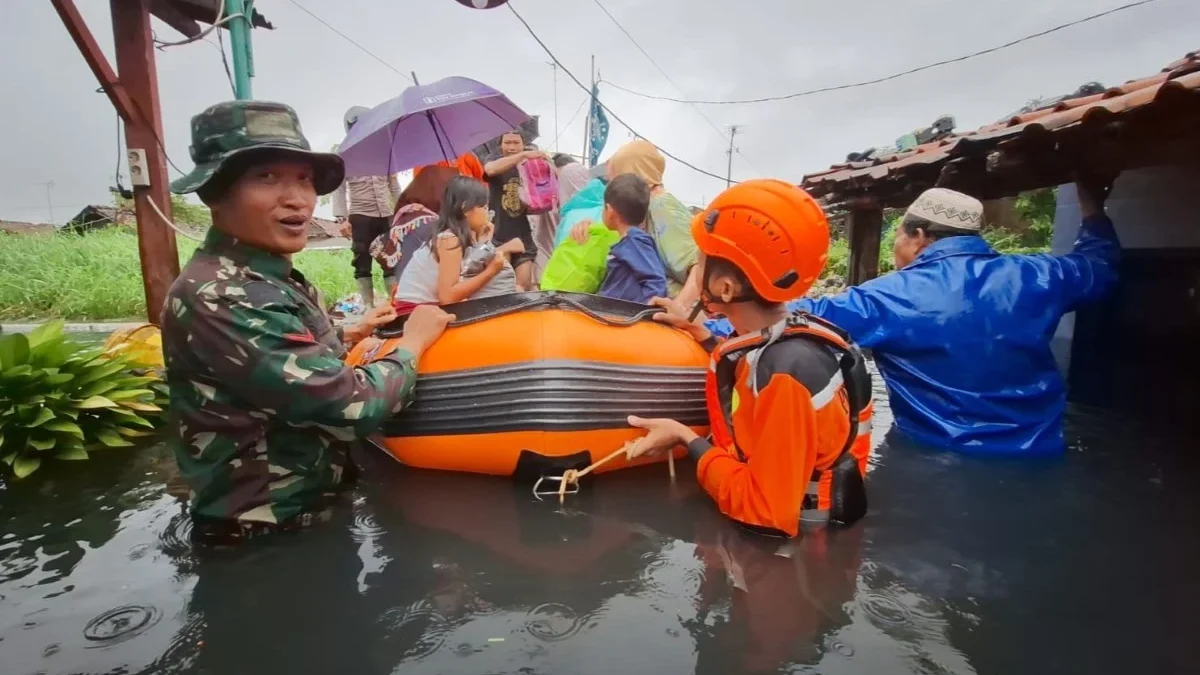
532, 384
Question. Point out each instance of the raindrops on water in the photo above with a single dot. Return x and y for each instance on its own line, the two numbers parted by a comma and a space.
419, 617
836, 646
122, 623
884, 609
364, 528
553, 622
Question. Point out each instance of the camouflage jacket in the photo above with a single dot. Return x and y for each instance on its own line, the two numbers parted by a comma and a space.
262, 406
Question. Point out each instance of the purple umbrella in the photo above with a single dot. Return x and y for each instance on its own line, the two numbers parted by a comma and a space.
427, 124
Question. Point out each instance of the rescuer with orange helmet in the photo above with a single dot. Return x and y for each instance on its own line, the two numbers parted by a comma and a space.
789, 396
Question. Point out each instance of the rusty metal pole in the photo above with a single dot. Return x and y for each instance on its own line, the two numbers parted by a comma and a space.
139, 77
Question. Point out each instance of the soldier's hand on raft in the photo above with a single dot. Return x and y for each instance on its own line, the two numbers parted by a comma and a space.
580, 231
377, 316
676, 316
424, 326
662, 435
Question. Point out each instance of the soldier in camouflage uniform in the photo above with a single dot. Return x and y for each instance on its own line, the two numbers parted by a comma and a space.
263, 409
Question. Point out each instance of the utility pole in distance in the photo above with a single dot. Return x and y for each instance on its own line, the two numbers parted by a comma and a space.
729, 169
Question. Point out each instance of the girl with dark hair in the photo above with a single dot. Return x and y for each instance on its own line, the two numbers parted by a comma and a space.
413, 221
460, 261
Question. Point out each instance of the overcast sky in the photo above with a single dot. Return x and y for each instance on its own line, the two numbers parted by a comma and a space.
55, 127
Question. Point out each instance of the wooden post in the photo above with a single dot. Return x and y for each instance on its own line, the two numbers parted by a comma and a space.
864, 228
138, 74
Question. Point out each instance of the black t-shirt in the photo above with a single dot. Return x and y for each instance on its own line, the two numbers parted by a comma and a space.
512, 222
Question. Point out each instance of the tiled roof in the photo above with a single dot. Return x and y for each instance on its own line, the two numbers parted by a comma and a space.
1181, 76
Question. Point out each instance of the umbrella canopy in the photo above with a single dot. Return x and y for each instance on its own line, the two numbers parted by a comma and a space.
427, 124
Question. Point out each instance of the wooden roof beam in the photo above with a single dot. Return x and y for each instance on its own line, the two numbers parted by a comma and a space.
87, 45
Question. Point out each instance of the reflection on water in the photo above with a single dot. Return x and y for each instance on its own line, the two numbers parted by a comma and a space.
1078, 565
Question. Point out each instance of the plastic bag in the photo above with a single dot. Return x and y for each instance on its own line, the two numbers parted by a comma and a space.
579, 268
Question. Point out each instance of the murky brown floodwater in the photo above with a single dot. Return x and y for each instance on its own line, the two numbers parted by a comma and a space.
1081, 565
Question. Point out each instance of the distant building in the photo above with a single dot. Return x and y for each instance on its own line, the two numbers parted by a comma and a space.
17, 227
95, 217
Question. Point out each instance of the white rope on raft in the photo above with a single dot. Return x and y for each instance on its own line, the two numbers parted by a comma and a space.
568, 482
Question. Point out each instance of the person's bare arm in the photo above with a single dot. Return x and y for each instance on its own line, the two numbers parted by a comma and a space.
451, 287
502, 164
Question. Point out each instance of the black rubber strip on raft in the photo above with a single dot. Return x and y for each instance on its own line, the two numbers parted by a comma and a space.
549, 396
604, 310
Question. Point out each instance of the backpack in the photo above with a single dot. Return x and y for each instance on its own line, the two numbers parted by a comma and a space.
539, 186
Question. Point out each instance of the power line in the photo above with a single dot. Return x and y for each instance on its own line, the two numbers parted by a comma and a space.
572, 120
347, 38
668, 78
895, 76
607, 109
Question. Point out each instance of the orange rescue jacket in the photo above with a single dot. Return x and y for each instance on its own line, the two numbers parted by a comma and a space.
790, 408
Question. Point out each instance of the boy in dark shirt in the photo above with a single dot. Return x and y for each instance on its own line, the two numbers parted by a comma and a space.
635, 271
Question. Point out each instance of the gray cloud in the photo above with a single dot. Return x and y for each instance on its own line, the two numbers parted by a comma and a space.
56, 128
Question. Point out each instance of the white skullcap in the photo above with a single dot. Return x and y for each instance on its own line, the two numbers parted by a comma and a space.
947, 208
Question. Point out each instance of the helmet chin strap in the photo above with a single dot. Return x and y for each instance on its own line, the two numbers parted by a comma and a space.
706, 298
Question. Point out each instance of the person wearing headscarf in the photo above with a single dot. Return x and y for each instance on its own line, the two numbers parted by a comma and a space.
669, 221
466, 164
961, 333
412, 224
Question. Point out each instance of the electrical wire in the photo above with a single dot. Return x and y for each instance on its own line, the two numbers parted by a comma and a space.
723, 135
571, 121
347, 38
221, 20
225, 63
607, 109
888, 78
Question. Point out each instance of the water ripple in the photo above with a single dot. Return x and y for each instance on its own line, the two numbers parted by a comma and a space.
885, 609
421, 617
553, 622
120, 624
364, 528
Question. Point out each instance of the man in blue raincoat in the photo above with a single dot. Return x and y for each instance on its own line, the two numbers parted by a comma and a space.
961, 333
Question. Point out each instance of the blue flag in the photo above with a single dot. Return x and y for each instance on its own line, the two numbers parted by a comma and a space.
599, 127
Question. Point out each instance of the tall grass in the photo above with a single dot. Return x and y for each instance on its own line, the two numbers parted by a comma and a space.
97, 276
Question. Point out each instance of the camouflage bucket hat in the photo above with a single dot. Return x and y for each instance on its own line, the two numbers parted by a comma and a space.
239, 129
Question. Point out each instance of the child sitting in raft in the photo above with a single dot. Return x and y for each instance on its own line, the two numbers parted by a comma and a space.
634, 272
460, 261
789, 397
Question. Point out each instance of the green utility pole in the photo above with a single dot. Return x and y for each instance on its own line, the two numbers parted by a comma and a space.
239, 44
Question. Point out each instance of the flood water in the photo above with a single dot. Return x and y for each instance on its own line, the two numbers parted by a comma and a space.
1085, 564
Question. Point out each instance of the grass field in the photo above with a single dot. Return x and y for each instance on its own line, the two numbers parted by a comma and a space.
97, 277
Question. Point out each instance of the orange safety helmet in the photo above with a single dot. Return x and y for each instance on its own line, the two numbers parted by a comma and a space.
773, 231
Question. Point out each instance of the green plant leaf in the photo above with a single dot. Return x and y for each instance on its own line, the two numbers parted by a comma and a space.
95, 402
106, 368
130, 394
59, 378
65, 427
44, 415
111, 439
42, 442
22, 371
133, 433
8, 459
141, 406
127, 417
46, 331
14, 351
71, 453
23, 466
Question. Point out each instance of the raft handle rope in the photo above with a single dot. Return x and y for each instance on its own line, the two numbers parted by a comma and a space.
568, 482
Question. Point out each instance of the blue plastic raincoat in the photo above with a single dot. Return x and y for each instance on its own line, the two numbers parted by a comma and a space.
962, 338
587, 204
